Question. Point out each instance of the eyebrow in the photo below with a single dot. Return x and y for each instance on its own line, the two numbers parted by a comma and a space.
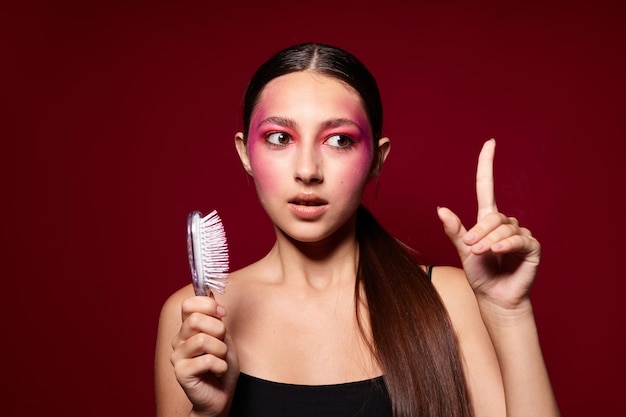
277, 120
339, 123
328, 124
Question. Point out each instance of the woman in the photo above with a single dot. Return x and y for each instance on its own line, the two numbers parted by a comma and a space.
338, 319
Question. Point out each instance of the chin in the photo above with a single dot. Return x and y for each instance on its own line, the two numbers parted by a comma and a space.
313, 234
302, 236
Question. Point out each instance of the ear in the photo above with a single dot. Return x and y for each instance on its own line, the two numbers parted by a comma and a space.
242, 150
384, 147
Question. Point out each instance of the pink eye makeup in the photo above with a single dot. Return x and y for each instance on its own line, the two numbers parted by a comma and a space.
279, 139
340, 141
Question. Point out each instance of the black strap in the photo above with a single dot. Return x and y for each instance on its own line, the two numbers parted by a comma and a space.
430, 272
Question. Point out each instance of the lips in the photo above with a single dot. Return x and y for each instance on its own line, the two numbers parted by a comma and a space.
308, 206
307, 203
307, 200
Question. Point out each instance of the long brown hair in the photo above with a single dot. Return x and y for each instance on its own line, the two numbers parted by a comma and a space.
412, 337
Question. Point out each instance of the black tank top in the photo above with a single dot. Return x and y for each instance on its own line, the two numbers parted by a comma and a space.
255, 397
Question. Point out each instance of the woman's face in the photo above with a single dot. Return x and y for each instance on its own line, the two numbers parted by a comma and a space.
309, 149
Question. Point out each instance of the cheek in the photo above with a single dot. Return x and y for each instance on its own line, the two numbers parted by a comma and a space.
265, 172
363, 162
357, 171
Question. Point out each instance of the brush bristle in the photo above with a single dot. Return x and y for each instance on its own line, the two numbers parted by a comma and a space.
214, 252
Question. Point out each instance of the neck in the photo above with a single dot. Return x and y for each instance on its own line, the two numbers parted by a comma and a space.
320, 265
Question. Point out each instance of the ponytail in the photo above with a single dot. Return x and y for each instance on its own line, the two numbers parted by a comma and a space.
412, 336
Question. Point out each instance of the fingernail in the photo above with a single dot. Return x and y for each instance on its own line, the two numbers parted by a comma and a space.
469, 237
221, 311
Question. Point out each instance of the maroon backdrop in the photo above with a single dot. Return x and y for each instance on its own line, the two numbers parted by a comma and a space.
119, 120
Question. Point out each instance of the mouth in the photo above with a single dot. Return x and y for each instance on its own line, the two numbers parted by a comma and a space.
308, 206
307, 201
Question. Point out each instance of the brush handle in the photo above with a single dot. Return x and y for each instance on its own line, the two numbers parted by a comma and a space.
194, 253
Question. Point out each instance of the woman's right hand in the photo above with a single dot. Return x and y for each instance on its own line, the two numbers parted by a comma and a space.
204, 357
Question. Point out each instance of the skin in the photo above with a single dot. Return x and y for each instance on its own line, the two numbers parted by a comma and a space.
328, 150
291, 314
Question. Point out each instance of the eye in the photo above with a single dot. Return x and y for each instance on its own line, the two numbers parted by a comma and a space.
278, 138
340, 141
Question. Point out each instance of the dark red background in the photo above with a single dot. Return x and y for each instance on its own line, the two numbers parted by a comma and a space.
119, 120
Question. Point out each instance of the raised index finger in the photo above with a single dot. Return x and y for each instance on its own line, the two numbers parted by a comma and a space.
484, 180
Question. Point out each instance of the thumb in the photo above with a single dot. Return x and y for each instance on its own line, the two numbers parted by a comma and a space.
231, 356
232, 359
453, 228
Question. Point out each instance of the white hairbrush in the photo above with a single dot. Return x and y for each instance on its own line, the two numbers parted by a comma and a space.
208, 252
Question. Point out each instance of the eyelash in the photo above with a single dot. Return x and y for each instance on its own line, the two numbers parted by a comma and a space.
341, 137
272, 140
268, 139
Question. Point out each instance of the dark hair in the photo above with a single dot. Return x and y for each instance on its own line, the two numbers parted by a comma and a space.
412, 336
327, 60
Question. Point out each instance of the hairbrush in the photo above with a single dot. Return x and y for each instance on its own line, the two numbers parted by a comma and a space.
207, 250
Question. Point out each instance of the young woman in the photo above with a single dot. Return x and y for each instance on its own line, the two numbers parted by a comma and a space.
338, 319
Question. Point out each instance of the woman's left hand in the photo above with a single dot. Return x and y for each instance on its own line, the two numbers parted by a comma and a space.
499, 257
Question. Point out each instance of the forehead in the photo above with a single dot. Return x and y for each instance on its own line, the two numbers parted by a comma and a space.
310, 92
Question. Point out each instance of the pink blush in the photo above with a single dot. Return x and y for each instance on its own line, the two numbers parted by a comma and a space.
263, 167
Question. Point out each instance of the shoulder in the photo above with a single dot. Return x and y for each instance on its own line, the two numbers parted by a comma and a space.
479, 358
172, 305
170, 317
451, 283
458, 298
173, 302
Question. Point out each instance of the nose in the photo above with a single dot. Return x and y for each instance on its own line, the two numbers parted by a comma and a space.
308, 165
